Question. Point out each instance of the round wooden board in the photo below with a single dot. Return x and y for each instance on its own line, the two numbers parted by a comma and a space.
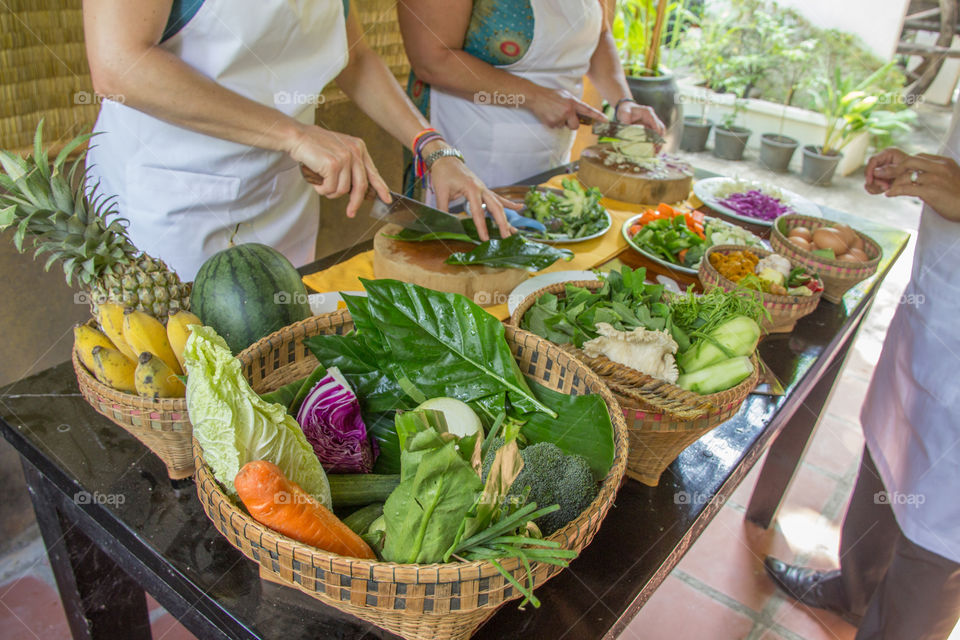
423, 263
626, 187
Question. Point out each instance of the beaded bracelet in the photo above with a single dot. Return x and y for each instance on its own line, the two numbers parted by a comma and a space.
419, 164
417, 137
616, 109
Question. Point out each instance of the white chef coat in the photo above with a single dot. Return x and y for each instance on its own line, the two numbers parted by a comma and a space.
503, 144
911, 417
184, 192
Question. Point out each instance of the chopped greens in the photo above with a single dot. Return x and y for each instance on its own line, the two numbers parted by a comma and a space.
575, 214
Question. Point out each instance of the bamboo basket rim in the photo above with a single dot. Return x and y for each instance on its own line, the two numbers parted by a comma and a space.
605, 495
856, 267
764, 298
132, 400
677, 402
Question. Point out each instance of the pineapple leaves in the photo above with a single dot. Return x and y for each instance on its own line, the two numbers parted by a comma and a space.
13, 165
7, 216
39, 155
68, 149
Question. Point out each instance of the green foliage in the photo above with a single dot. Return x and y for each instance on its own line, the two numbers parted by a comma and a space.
636, 37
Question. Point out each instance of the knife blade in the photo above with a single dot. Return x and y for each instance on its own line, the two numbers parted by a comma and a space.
615, 129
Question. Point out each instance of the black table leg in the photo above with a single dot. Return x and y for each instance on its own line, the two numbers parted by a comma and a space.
101, 601
784, 455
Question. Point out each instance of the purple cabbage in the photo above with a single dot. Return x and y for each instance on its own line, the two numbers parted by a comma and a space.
756, 204
330, 418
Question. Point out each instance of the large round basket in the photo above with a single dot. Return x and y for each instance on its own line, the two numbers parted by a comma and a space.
162, 425
838, 276
436, 601
662, 419
784, 310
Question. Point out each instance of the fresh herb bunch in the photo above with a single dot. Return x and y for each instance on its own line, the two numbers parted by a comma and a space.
576, 214
624, 301
697, 315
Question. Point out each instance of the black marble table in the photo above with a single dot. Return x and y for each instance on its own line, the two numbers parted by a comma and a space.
115, 526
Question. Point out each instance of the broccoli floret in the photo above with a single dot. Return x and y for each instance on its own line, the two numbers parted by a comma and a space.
553, 478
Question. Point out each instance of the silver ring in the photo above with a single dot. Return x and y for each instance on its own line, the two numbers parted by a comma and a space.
914, 176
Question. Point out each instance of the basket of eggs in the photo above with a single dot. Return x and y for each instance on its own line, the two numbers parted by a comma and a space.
838, 254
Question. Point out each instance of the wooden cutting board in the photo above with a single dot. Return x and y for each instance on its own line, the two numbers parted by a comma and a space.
422, 263
669, 184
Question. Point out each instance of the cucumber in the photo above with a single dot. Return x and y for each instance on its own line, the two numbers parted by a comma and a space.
361, 519
717, 377
738, 336
357, 489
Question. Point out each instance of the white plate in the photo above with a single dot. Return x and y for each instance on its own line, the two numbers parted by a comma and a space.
565, 240
525, 288
327, 302
519, 192
707, 188
625, 230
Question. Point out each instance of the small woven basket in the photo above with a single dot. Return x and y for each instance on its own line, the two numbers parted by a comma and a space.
414, 601
662, 419
162, 425
784, 310
838, 277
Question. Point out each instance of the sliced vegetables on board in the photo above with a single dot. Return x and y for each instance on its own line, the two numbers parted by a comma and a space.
274, 501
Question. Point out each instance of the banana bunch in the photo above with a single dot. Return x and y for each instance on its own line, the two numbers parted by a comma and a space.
134, 352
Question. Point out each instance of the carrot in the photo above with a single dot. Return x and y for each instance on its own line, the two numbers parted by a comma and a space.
283, 506
635, 229
697, 216
666, 210
682, 255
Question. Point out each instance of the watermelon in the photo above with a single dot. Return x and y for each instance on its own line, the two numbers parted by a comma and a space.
247, 292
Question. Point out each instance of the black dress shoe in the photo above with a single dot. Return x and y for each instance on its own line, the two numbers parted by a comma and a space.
818, 589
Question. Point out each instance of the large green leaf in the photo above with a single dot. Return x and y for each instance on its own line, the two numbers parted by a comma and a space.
446, 344
513, 252
582, 427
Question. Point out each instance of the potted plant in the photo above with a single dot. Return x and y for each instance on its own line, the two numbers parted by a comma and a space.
849, 109
729, 140
777, 149
638, 28
696, 130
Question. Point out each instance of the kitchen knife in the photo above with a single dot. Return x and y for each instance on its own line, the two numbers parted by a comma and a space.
613, 129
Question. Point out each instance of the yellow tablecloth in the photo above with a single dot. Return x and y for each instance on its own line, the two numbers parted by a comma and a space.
586, 255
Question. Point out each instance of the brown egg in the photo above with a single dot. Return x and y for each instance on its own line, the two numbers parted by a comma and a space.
801, 232
857, 242
847, 258
827, 238
859, 254
848, 234
800, 243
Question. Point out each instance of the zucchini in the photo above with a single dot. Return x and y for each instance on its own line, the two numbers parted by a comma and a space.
361, 519
357, 489
738, 336
717, 377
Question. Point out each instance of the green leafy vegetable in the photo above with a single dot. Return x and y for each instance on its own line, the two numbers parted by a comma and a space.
235, 426
575, 214
513, 252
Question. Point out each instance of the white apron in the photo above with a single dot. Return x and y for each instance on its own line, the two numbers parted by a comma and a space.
503, 144
911, 417
184, 192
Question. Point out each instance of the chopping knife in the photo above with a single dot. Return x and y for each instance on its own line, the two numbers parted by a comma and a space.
615, 129
404, 211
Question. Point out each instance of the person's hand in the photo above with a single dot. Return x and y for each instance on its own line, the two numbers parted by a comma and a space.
933, 179
559, 108
630, 112
451, 179
880, 166
343, 163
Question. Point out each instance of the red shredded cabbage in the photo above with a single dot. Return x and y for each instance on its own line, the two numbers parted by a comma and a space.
756, 204
330, 418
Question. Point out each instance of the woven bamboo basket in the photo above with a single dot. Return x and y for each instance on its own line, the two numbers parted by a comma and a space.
838, 277
662, 419
162, 425
436, 601
784, 310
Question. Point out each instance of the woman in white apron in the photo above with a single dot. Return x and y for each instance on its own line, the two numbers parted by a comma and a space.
501, 79
208, 112
900, 547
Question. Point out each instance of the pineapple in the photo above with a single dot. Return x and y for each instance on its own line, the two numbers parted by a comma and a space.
73, 224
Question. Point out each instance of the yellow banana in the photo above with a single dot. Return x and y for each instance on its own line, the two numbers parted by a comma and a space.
154, 379
110, 317
143, 332
178, 331
114, 369
85, 338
